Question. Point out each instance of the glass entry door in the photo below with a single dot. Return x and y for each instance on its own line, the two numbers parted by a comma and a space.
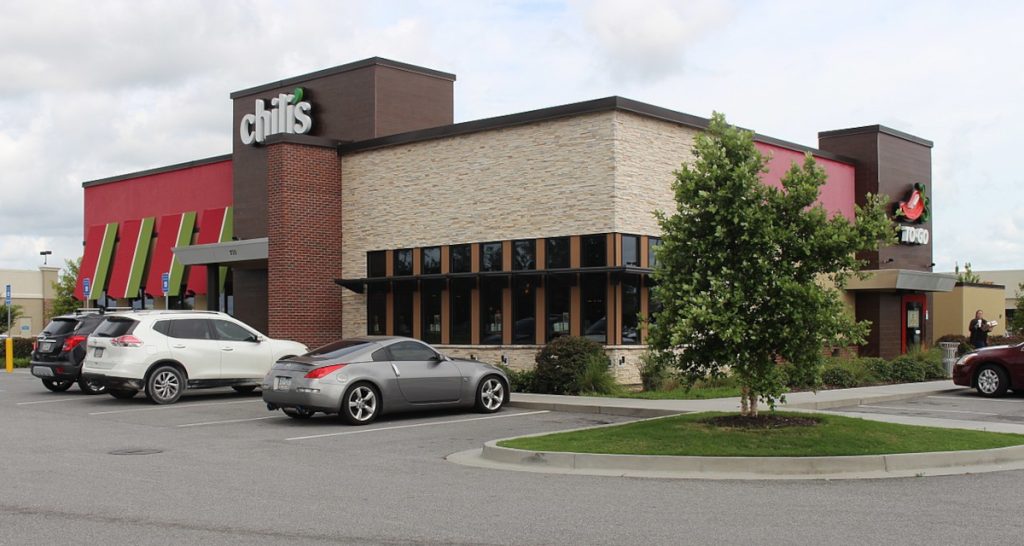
914, 308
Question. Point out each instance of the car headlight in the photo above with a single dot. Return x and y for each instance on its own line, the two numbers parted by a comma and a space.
963, 359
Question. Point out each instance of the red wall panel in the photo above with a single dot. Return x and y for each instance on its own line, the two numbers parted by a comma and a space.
837, 195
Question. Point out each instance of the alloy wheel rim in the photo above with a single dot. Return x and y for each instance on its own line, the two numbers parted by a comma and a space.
362, 403
988, 381
165, 385
492, 394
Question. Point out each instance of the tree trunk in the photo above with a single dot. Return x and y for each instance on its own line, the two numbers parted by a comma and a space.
753, 403
744, 408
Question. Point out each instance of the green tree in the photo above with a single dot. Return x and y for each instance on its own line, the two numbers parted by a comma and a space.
968, 276
64, 301
746, 273
16, 313
1016, 324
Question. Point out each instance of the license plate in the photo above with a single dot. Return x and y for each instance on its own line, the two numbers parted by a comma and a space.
45, 346
282, 383
97, 352
40, 371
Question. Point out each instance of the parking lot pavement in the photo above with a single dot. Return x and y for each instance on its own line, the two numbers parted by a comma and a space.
963, 406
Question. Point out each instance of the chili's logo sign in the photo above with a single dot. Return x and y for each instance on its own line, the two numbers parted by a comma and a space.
917, 206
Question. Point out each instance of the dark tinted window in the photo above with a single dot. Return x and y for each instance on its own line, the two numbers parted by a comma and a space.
338, 349
229, 331
594, 296
376, 310
524, 307
430, 307
630, 310
631, 250
405, 351
403, 262
58, 327
190, 329
114, 327
556, 253
490, 257
557, 292
163, 326
380, 355
88, 323
402, 320
652, 244
461, 311
491, 321
524, 255
594, 251
431, 261
376, 264
461, 259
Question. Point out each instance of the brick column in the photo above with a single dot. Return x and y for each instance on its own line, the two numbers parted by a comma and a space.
304, 231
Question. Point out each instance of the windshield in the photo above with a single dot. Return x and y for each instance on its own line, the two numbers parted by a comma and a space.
60, 326
115, 327
338, 349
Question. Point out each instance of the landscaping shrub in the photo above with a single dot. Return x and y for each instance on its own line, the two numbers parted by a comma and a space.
839, 377
656, 374
799, 379
519, 380
562, 363
1004, 340
596, 378
22, 347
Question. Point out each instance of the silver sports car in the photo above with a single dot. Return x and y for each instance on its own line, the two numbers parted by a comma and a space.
362, 377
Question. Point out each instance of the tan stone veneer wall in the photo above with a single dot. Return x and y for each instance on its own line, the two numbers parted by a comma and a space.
625, 359
592, 173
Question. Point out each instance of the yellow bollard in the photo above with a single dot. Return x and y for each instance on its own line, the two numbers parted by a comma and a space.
9, 350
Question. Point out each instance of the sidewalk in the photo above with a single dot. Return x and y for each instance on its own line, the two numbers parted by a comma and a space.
821, 400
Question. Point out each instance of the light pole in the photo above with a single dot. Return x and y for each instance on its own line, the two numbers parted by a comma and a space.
44, 254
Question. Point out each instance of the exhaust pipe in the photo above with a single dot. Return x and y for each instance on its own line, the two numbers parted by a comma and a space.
271, 407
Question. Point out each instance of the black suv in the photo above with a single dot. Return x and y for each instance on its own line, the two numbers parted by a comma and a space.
59, 349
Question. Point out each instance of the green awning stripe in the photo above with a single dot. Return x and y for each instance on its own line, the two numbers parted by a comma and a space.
99, 280
184, 238
140, 256
226, 232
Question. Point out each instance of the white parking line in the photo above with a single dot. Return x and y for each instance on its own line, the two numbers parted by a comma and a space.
927, 410
227, 421
416, 425
978, 399
176, 406
51, 401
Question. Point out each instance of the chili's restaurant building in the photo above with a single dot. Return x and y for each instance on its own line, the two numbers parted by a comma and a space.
352, 204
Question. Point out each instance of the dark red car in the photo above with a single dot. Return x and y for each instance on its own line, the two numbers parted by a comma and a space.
992, 370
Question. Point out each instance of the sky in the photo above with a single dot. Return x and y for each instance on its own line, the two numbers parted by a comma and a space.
97, 89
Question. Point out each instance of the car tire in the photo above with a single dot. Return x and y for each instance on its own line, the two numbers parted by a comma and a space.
122, 394
165, 385
361, 404
991, 381
490, 394
244, 389
58, 385
91, 387
298, 413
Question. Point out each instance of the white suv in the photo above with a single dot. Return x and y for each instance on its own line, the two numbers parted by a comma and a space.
165, 352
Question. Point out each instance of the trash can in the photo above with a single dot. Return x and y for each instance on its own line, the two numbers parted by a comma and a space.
949, 355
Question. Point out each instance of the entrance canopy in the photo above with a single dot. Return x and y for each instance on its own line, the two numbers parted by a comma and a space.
890, 280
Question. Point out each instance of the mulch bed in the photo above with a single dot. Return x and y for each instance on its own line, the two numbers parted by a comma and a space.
764, 421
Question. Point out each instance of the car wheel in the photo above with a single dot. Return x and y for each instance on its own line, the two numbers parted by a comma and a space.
165, 385
298, 413
244, 388
58, 385
490, 394
361, 404
122, 395
91, 387
992, 381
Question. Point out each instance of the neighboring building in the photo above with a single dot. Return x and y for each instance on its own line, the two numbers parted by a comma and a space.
995, 294
33, 291
351, 204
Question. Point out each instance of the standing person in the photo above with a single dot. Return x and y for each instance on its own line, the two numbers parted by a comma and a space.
979, 328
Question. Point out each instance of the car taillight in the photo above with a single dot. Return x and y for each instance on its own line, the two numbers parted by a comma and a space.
322, 371
72, 342
126, 341
35, 345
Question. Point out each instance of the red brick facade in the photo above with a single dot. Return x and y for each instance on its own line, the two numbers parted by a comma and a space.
304, 231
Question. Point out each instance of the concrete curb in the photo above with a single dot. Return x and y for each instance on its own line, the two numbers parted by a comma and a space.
745, 468
870, 399
597, 409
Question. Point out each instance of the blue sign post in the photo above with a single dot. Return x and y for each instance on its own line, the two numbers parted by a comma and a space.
165, 283
86, 289
8, 343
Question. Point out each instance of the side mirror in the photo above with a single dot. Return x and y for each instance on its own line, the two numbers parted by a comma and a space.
257, 339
